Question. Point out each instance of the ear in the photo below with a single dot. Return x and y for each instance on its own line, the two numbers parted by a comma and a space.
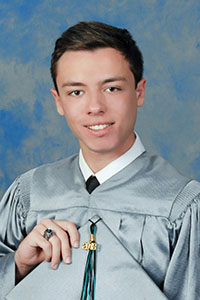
58, 102
140, 92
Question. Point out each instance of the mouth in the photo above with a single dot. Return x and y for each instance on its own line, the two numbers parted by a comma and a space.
99, 126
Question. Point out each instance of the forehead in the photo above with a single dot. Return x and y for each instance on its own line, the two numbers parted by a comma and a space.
92, 63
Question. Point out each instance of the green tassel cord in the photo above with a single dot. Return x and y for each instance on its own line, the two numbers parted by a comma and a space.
88, 290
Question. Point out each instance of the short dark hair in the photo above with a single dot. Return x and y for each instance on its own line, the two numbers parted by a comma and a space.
93, 35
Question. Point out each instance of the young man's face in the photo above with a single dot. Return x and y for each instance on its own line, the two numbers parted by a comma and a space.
98, 98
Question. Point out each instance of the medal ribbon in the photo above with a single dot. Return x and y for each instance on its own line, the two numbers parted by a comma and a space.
88, 290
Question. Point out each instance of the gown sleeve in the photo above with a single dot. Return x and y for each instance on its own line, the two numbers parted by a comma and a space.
12, 232
182, 280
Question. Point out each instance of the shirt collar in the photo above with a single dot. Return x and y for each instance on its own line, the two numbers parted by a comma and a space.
115, 166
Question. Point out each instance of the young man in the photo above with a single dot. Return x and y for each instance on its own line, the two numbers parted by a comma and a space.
147, 213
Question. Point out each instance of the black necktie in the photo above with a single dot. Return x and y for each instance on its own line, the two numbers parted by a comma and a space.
91, 184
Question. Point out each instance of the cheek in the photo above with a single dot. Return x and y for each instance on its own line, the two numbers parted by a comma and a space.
72, 116
127, 113
69, 110
126, 107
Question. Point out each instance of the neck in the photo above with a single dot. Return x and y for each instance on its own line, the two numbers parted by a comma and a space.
99, 160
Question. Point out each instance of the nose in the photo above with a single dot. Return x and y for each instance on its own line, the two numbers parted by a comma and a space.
96, 103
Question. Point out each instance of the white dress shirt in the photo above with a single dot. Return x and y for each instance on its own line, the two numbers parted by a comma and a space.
116, 165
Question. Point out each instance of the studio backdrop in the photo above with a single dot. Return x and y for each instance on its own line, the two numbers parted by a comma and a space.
168, 33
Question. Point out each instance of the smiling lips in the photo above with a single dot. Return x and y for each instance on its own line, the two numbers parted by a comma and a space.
99, 127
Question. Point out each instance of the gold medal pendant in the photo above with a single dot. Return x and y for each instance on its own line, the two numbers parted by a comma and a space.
91, 245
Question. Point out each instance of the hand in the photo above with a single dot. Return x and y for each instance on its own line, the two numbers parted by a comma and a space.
35, 248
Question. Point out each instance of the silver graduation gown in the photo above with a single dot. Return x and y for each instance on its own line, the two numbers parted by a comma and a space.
148, 238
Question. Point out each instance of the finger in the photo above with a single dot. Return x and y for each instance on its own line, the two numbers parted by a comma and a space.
60, 247
70, 235
71, 229
56, 251
46, 247
41, 242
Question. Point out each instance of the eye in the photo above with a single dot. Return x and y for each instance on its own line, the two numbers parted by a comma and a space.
76, 93
112, 89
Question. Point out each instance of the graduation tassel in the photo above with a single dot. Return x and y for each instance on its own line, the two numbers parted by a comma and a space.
88, 290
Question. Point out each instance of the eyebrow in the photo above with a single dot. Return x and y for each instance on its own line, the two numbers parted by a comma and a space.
112, 79
108, 80
73, 84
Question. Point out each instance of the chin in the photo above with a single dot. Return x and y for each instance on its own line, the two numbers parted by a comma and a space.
104, 149
101, 146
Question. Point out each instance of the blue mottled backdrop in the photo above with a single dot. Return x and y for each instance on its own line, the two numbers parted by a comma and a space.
168, 32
